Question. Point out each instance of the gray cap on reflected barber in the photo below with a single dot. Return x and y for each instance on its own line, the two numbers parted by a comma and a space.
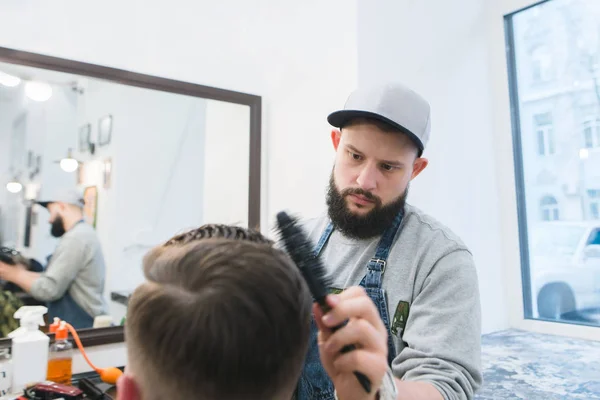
67, 196
393, 104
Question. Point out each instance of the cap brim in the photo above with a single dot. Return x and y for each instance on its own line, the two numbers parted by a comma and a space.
43, 203
341, 118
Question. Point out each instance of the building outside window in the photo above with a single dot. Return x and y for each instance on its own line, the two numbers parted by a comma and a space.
549, 208
541, 68
544, 133
591, 133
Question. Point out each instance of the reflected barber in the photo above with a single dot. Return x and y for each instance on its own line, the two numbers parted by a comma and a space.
72, 283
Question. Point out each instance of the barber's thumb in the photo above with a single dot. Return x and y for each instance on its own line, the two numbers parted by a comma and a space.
318, 314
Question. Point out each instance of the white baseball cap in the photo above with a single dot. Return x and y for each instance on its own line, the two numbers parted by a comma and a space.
61, 195
393, 104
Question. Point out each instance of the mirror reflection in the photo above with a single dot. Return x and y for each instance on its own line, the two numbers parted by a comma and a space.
94, 173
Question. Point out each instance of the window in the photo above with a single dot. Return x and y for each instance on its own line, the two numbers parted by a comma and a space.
541, 65
594, 202
591, 133
594, 238
555, 110
549, 208
544, 133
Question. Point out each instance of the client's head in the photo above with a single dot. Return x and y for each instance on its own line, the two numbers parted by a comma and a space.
222, 315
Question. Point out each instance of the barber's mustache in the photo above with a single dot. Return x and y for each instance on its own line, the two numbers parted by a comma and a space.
368, 195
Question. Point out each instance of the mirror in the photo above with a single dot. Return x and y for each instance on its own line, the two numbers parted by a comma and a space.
150, 156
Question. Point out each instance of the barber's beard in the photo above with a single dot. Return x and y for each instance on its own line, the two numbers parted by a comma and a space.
363, 226
57, 227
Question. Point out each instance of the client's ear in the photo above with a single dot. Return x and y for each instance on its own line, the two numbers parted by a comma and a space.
127, 388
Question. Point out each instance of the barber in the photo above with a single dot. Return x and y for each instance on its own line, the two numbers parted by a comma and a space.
73, 281
406, 283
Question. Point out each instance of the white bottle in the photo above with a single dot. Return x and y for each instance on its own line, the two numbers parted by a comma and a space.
5, 372
29, 348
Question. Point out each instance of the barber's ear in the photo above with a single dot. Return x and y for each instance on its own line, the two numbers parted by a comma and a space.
127, 388
336, 136
418, 167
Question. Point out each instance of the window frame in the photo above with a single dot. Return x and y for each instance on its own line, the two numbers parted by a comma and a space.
527, 320
595, 132
593, 199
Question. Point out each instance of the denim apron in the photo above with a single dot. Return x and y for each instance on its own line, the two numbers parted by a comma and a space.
314, 383
67, 309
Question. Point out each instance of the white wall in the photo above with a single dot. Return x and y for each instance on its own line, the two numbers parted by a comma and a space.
226, 163
444, 56
299, 56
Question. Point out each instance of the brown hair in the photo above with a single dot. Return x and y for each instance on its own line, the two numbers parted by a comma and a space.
218, 318
218, 231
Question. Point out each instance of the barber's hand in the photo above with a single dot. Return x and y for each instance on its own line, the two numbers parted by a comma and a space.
5, 270
365, 330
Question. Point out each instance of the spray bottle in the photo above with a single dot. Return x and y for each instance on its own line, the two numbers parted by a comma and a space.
60, 363
5, 372
29, 347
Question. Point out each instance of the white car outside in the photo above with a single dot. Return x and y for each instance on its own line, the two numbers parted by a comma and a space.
565, 268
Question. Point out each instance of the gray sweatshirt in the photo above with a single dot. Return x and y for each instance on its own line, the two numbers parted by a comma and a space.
77, 266
433, 299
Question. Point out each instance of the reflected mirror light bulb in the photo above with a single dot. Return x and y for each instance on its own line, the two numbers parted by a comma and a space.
9, 80
69, 164
38, 91
14, 187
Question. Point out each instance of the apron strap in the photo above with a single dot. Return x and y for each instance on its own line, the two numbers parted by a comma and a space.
324, 238
376, 265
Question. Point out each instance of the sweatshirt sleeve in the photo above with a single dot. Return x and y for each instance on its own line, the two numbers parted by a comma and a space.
443, 330
64, 266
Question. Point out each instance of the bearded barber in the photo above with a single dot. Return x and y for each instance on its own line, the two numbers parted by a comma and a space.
73, 281
406, 283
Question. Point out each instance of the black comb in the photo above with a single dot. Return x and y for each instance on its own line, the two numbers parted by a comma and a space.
7, 254
301, 252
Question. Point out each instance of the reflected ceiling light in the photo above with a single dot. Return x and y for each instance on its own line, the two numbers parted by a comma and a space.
69, 164
584, 154
14, 186
9, 80
38, 91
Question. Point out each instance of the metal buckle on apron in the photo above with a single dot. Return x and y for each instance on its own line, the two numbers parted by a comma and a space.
381, 262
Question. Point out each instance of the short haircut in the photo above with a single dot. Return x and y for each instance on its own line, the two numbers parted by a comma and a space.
218, 231
220, 317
